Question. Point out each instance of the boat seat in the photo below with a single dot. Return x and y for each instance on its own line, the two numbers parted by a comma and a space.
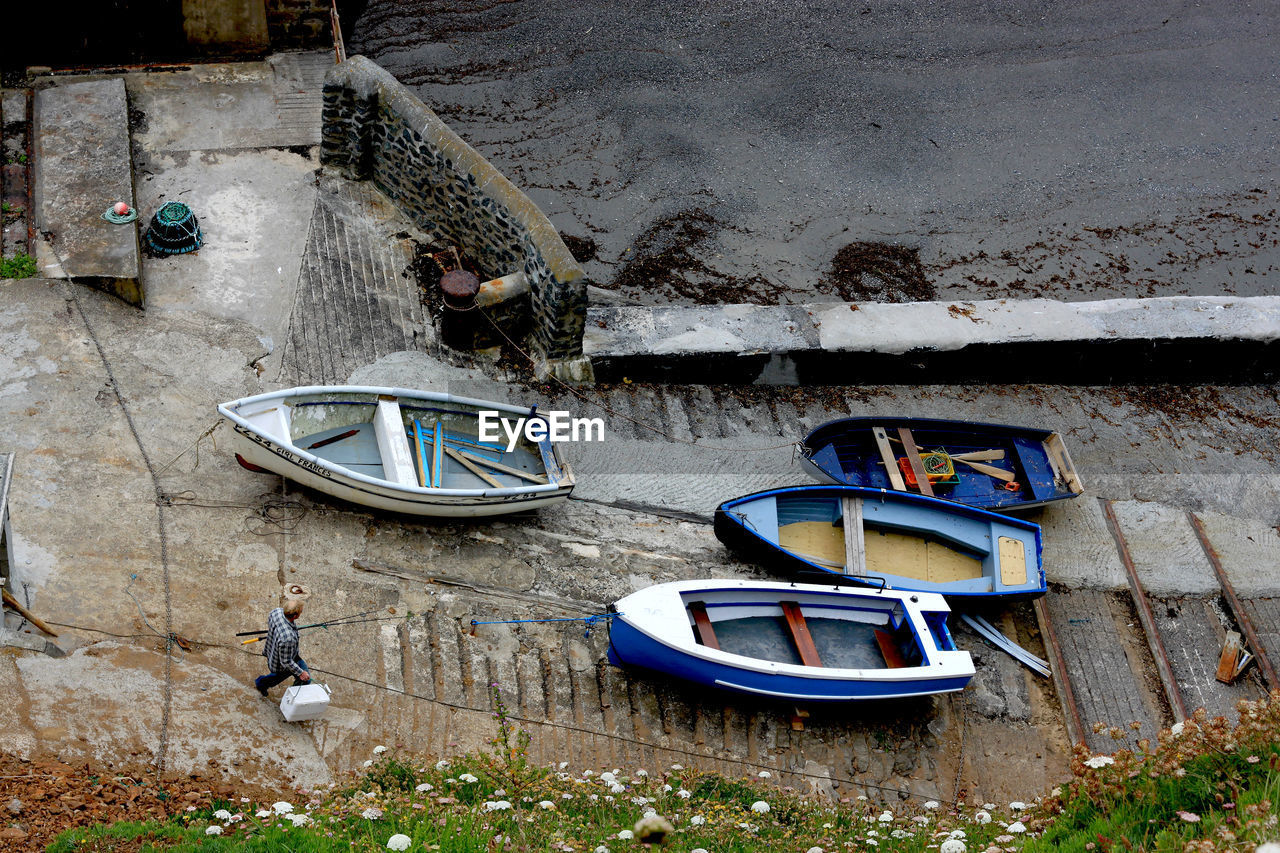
800, 635
702, 625
892, 657
393, 444
272, 422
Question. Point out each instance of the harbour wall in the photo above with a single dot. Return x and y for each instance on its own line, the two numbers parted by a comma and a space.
375, 129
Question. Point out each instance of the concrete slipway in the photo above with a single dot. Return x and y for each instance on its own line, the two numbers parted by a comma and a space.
128, 522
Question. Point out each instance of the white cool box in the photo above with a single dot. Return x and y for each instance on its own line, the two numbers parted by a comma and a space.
305, 702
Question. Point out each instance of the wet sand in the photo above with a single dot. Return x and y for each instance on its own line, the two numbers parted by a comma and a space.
720, 152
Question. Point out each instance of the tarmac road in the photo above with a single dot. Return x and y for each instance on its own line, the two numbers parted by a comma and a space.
1076, 151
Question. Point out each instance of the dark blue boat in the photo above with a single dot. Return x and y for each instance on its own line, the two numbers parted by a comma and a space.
992, 466
875, 537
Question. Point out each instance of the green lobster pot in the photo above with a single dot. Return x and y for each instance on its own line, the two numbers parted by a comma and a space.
174, 230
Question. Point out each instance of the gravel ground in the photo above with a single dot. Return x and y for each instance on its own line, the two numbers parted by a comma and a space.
735, 151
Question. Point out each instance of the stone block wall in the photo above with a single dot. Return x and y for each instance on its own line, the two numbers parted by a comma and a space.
375, 129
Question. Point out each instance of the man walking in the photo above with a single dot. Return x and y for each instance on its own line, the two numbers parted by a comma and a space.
282, 648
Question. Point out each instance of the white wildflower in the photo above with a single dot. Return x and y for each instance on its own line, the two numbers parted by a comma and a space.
1099, 761
566, 796
546, 804
760, 806
650, 813
300, 819
764, 774
642, 773
625, 834
957, 833
399, 841
697, 820
677, 766
371, 813
684, 793
1176, 729
698, 850
640, 801
468, 778
222, 814
617, 788
886, 817
982, 817
931, 804
263, 813
667, 789
368, 762
378, 750
1016, 827
213, 830
814, 850
606, 776
952, 845
588, 773
920, 818
899, 833
496, 805
989, 806
424, 787
602, 849
282, 807
441, 764
1017, 805
501, 792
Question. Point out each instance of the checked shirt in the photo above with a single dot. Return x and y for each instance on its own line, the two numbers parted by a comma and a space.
282, 644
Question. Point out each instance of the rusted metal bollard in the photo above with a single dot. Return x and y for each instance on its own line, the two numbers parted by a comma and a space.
460, 321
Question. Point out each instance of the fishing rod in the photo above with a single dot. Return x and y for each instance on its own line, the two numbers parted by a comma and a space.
353, 619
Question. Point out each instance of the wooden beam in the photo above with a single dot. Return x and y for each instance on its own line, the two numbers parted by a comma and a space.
472, 467
25, 613
989, 470
702, 625
855, 545
917, 466
422, 452
800, 633
890, 461
892, 657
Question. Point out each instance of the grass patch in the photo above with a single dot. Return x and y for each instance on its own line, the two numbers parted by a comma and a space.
19, 266
1203, 786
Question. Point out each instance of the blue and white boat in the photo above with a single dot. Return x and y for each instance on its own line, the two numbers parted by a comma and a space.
791, 642
413, 452
879, 537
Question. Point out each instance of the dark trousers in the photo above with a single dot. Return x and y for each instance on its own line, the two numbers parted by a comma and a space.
266, 682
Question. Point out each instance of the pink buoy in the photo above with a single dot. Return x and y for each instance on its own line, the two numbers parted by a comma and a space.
121, 209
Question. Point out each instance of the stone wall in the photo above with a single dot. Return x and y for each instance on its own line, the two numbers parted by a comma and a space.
375, 129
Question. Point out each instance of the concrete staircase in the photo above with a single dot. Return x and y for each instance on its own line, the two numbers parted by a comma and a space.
15, 183
83, 165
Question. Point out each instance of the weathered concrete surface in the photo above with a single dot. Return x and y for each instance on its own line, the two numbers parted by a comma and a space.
225, 26
118, 496
1179, 339
83, 165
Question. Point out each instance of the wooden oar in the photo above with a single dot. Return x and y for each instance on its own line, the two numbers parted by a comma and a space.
506, 469
989, 470
25, 613
979, 456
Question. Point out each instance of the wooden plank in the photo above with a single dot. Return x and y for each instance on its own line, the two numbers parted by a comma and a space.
855, 543
979, 456
422, 452
917, 467
702, 625
892, 657
506, 469
1060, 461
331, 439
472, 467
890, 461
800, 633
1229, 659
1013, 561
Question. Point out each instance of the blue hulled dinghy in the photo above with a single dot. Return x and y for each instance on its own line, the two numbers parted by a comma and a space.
992, 466
877, 537
791, 642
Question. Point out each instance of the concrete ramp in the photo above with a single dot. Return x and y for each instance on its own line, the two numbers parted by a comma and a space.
83, 165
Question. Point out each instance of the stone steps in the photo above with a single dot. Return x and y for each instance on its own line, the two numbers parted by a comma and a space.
83, 165
15, 118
